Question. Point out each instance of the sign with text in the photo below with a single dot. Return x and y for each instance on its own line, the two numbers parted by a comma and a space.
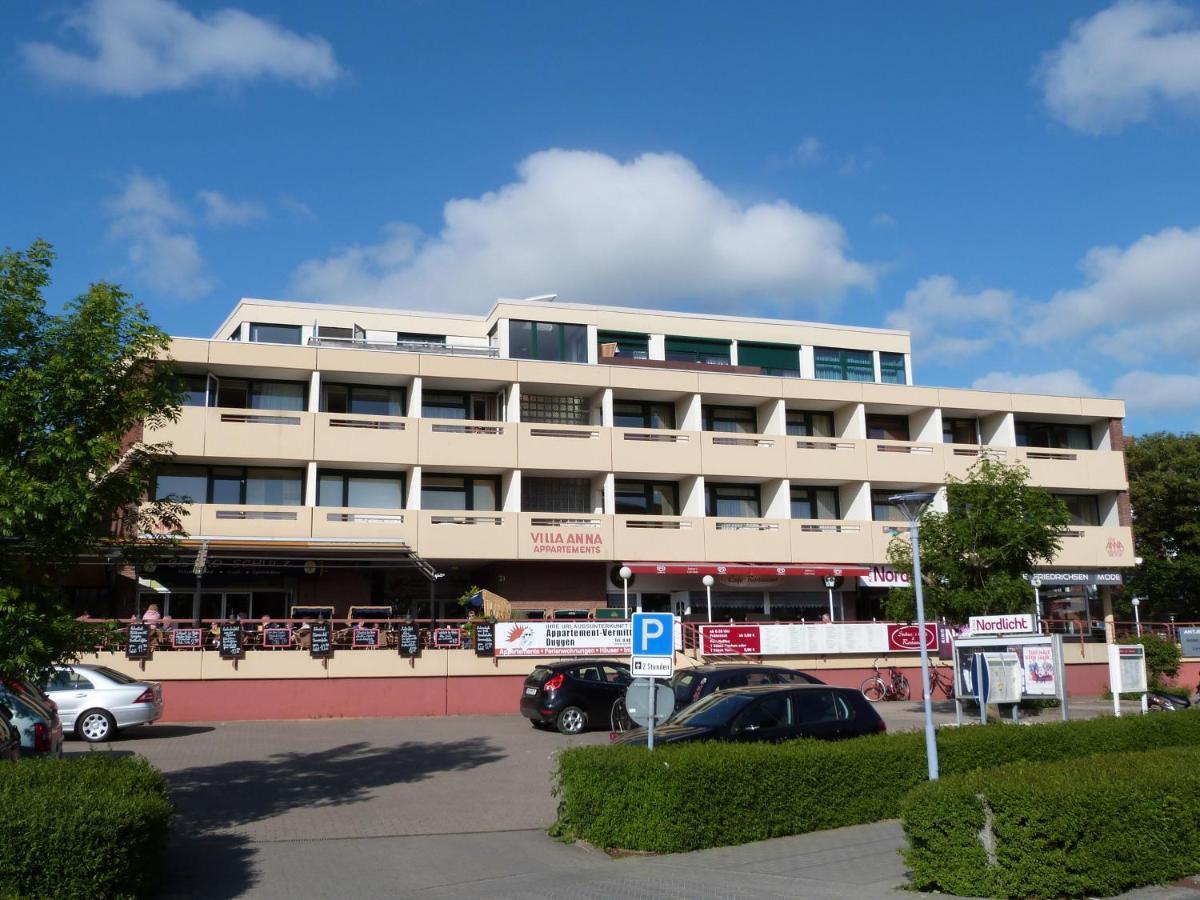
138, 645
184, 638
885, 577
408, 640
908, 637
1040, 676
365, 637
549, 638
567, 542
1007, 623
485, 639
277, 637
1189, 640
1004, 677
447, 638
231, 642
322, 640
788, 639
1127, 668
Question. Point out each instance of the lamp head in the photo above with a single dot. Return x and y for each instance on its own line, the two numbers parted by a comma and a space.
912, 504
1136, 601
1035, 581
625, 572
707, 581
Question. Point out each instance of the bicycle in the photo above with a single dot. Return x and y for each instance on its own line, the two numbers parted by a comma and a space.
876, 689
941, 678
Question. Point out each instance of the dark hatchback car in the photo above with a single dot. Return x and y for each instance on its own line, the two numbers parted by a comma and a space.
689, 685
769, 713
572, 694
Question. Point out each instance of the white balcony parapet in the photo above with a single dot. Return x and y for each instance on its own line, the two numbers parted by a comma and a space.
743, 442
405, 347
672, 525
746, 526
830, 528
281, 515
830, 444
466, 520
576, 433
669, 438
449, 428
258, 419
374, 518
378, 424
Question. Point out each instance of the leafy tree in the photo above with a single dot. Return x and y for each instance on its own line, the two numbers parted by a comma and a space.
974, 556
1163, 657
75, 389
1164, 491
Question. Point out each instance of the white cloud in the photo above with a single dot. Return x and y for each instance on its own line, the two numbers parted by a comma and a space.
1061, 382
221, 210
298, 209
161, 253
938, 312
139, 47
808, 152
1116, 66
589, 227
1159, 392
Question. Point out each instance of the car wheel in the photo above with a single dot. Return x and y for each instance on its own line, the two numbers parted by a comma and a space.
95, 726
571, 720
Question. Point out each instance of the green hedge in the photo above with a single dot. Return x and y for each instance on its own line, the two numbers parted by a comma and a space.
688, 796
1058, 829
90, 826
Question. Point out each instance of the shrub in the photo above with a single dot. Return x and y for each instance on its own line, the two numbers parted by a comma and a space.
84, 826
689, 796
1058, 829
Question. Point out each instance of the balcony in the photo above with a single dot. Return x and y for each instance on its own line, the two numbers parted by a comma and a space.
664, 538
747, 540
469, 443
580, 447
405, 347
905, 462
355, 523
730, 453
258, 434
566, 536
959, 458
342, 438
227, 520
655, 450
186, 436
1096, 546
1081, 469
814, 458
459, 534
826, 540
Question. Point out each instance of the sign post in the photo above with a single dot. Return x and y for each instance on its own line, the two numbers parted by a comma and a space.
653, 654
1127, 673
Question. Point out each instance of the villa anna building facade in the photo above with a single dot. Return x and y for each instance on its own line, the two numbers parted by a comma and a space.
343, 457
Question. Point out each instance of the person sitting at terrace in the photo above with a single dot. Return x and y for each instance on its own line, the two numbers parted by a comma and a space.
151, 616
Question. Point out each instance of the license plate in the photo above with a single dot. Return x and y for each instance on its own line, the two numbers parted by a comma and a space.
529, 692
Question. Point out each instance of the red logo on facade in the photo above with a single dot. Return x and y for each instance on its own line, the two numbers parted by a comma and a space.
908, 637
1115, 547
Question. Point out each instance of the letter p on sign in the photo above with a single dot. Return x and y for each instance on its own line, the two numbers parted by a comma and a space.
653, 634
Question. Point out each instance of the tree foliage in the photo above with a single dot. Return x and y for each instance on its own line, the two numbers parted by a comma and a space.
976, 554
75, 389
1164, 491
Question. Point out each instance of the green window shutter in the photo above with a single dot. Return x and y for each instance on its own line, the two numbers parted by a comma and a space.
628, 343
698, 348
775, 358
843, 365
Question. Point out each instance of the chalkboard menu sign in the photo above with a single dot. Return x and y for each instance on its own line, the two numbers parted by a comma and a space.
447, 638
231, 641
322, 640
187, 637
138, 646
366, 637
277, 637
408, 638
485, 639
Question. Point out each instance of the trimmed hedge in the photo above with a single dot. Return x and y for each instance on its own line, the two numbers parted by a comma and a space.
689, 796
1058, 829
89, 826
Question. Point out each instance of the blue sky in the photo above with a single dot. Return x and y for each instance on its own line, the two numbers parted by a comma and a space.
1017, 183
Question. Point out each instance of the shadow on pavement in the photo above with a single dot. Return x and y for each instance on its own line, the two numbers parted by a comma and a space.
217, 866
146, 732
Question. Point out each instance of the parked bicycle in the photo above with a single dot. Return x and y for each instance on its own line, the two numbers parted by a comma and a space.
895, 687
941, 678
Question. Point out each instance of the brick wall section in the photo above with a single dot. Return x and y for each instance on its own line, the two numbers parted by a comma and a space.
1118, 441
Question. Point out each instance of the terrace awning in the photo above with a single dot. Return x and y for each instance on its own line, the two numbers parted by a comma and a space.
805, 570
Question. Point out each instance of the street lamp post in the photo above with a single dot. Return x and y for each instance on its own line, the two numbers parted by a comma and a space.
1137, 619
912, 505
707, 581
830, 583
625, 574
1037, 600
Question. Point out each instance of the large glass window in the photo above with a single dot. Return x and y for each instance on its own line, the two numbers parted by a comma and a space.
809, 424
698, 350
891, 368
277, 396
1054, 436
1084, 508
647, 498
737, 419
643, 414
232, 485
362, 399
556, 495
194, 389
226, 485
624, 344
444, 405
843, 365
189, 484
555, 410
274, 487
815, 502
882, 510
547, 340
370, 491
739, 500
773, 359
468, 492
265, 333
887, 428
960, 431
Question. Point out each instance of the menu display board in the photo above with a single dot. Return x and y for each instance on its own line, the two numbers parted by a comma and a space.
408, 639
138, 646
231, 642
277, 637
322, 640
187, 637
485, 639
365, 637
447, 638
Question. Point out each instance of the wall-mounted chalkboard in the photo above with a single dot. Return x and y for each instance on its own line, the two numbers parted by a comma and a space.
366, 637
485, 639
231, 641
138, 646
447, 638
322, 640
187, 637
408, 638
277, 637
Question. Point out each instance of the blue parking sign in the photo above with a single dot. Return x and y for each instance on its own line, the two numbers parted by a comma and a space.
653, 634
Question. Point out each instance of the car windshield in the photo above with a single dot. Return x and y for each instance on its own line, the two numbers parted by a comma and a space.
713, 710
113, 675
538, 675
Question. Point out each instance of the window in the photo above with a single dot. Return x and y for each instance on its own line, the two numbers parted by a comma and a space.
882, 511
815, 502
843, 365
469, 492
773, 359
698, 350
1084, 508
263, 333
891, 368
556, 495
814, 707
444, 405
639, 414
647, 498
887, 428
232, 485
278, 396
960, 431
547, 340
188, 483
809, 424
362, 399
369, 491
1059, 437
629, 345
274, 487
734, 500
415, 337
772, 711
340, 333
553, 410
737, 419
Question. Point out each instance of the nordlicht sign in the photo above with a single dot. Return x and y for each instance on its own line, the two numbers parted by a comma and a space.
1009, 623
533, 638
751, 639
885, 577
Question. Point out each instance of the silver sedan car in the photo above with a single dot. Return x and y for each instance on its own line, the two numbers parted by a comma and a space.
96, 701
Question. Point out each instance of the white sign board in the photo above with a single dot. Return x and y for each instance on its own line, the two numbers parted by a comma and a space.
652, 666
1008, 623
1041, 679
1004, 677
1127, 668
567, 638
885, 577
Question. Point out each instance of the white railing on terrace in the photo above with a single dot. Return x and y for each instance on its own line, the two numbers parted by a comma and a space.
405, 346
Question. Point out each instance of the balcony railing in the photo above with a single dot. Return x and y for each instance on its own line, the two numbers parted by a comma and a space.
405, 347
